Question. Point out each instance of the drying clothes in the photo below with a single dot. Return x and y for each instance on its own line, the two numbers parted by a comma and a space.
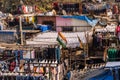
30, 19
18, 54
112, 54
53, 70
32, 54
51, 53
95, 6
29, 54
27, 19
115, 9
31, 67
68, 75
12, 66
109, 13
24, 9
45, 52
34, 68
26, 54
117, 29
20, 77
105, 42
26, 68
118, 19
30, 9
30, 78
118, 55
57, 54
47, 70
118, 35
118, 32
94, 43
33, 19
4, 66
117, 73
99, 1
41, 70
17, 66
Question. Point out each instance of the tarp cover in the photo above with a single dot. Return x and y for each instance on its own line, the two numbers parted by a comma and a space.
92, 22
44, 28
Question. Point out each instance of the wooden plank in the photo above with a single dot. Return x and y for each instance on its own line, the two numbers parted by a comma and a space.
14, 47
31, 31
92, 57
27, 31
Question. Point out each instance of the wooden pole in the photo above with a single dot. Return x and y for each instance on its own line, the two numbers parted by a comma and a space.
21, 33
86, 45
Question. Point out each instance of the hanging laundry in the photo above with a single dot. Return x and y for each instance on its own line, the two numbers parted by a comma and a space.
37, 71
34, 70
97, 8
118, 54
47, 70
12, 66
68, 75
33, 19
51, 53
32, 54
115, 9
21, 65
41, 70
31, 67
27, 19
112, 54
58, 53
30, 9
30, 19
18, 54
118, 31
16, 69
19, 10
24, 9
109, 13
29, 54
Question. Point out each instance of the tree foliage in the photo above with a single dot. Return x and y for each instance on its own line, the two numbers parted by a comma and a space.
11, 5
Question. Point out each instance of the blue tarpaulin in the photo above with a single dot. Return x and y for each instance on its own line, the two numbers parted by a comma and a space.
107, 75
85, 18
7, 32
44, 28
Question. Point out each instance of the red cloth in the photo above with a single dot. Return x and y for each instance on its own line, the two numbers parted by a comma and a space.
12, 65
55, 4
24, 9
117, 29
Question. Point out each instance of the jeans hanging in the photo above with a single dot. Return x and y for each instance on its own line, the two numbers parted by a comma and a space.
116, 73
18, 54
57, 51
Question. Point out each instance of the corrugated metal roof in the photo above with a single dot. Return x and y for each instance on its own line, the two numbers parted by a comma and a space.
49, 38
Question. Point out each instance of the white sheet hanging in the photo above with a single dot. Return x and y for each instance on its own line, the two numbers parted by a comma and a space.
112, 64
